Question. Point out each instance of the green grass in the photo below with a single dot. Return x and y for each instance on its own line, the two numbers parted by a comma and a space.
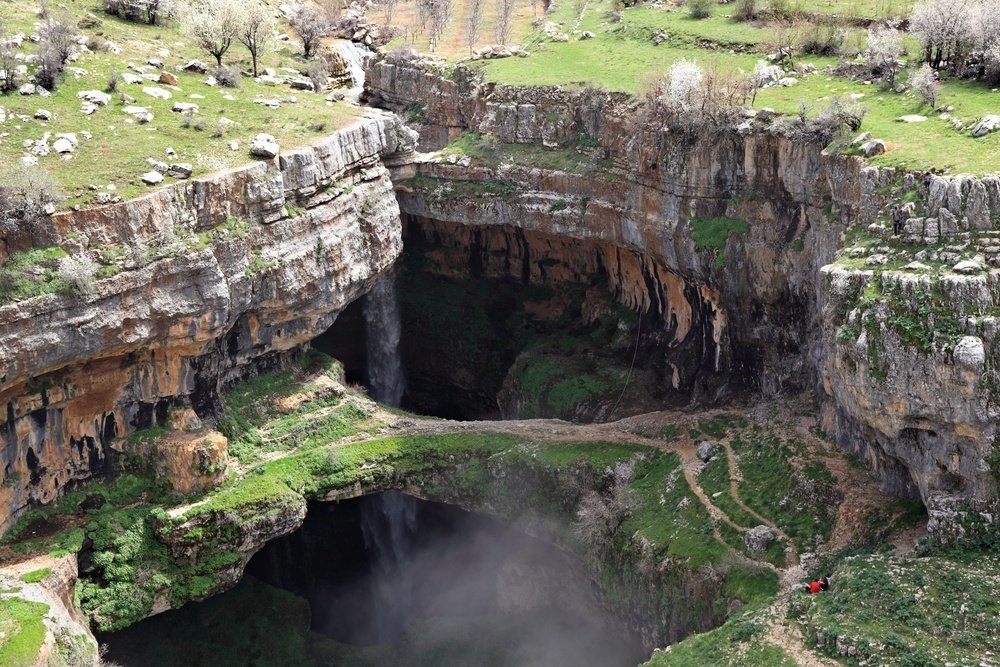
36, 576
21, 631
118, 151
801, 504
909, 611
30, 273
714, 478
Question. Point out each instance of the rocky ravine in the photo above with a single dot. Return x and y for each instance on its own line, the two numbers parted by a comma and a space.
764, 311
220, 277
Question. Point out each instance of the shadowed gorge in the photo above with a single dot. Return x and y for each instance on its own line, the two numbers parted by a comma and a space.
389, 579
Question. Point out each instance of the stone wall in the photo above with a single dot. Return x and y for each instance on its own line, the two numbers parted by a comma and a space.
223, 276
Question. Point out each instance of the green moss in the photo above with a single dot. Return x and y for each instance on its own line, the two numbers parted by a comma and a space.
711, 234
31, 273
36, 576
22, 631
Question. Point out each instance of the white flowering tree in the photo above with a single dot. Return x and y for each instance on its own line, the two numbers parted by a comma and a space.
684, 90
885, 46
256, 31
212, 24
946, 28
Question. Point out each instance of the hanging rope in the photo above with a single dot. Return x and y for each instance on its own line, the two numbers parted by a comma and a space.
628, 376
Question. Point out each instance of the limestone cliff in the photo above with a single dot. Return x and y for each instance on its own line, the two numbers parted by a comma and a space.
758, 310
216, 278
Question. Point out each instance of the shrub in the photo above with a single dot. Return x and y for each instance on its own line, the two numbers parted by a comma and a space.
823, 39
56, 46
24, 194
78, 271
113, 78
9, 80
228, 77
923, 80
884, 49
746, 10
700, 9
153, 12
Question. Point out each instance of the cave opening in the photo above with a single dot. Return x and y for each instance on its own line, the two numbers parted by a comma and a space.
504, 323
391, 579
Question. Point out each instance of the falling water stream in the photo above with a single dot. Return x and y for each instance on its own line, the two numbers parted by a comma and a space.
382, 332
355, 55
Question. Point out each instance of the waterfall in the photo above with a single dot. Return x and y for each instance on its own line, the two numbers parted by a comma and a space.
388, 525
355, 55
382, 331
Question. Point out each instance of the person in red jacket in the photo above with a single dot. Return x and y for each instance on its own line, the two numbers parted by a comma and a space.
815, 586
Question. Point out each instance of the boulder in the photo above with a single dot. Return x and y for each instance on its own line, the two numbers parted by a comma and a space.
587, 35
152, 177
706, 450
43, 114
787, 81
130, 78
989, 123
27, 89
95, 97
264, 145
971, 353
153, 62
184, 107
157, 166
140, 114
180, 170
873, 147
168, 79
758, 539
967, 266
158, 93
195, 66
911, 118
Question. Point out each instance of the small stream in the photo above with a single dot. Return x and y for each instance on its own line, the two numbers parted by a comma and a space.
391, 580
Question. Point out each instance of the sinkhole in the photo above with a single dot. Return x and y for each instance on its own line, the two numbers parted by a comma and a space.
388, 579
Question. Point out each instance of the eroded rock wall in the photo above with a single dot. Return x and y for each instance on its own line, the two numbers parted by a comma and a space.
224, 276
923, 419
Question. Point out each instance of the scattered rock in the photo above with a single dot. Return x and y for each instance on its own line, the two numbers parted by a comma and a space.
43, 114
130, 78
271, 103
706, 450
873, 147
787, 81
180, 170
234, 145
988, 124
168, 79
153, 62
195, 66
912, 118
967, 266
152, 177
184, 107
264, 145
140, 114
758, 539
587, 35
971, 353
158, 93
27, 89
95, 97
917, 266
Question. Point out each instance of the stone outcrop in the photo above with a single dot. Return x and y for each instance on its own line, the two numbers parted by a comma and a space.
923, 420
223, 275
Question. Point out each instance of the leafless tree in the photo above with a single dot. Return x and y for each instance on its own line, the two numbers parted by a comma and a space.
56, 45
311, 25
439, 11
8, 66
256, 31
473, 22
505, 20
388, 7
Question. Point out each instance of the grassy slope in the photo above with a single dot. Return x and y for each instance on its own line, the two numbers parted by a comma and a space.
21, 631
118, 151
623, 57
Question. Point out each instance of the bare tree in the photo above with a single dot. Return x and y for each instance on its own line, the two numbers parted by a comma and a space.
56, 46
256, 31
388, 7
213, 25
439, 13
8, 65
311, 25
473, 21
505, 20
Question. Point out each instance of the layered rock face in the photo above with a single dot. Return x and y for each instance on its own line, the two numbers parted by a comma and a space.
223, 276
773, 316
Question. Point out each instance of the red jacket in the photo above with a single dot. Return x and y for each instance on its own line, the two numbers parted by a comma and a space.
814, 587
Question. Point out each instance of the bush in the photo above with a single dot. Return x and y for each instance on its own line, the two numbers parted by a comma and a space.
700, 9
56, 46
228, 77
24, 194
113, 78
823, 39
923, 80
746, 10
9, 80
152, 12
78, 271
